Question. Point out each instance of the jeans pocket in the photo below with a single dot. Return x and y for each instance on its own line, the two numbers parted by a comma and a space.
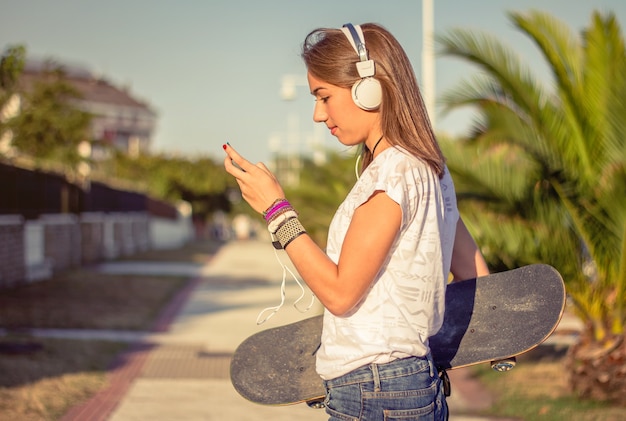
338, 416
341, 401
426, 413
404, 404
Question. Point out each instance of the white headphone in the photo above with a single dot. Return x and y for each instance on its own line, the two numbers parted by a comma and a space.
366, 92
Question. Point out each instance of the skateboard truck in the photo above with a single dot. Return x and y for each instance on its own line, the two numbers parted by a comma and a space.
503, 365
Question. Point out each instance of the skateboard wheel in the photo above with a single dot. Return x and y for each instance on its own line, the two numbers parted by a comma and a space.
316, 404
504, 365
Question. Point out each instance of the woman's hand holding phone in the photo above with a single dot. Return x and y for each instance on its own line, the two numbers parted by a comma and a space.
259, 187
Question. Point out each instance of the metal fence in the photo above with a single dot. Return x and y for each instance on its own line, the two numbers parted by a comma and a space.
32, 193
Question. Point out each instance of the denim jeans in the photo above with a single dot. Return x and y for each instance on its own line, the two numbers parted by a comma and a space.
404, 389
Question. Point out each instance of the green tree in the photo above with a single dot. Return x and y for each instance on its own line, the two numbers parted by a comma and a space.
49, 125
199, 181
542, 176
11, 66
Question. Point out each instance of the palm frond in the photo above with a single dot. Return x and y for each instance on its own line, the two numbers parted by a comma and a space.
559, 46
605, 87
496, 60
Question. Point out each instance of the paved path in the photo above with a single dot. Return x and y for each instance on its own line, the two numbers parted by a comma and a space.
180, 372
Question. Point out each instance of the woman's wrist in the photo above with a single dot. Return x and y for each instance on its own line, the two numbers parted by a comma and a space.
280, 219
282, 223
288, 231
279, 212
278, 204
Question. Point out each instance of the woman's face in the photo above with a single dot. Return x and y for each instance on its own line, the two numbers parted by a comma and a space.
334, 107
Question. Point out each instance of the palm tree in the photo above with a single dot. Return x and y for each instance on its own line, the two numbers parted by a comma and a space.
547, 181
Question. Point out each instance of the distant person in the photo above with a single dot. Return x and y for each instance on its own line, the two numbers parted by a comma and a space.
242, 227
393, 241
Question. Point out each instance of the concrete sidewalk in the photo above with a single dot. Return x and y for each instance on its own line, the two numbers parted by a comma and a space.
182, 373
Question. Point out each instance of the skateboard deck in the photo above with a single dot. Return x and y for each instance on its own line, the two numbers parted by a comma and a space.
487, 319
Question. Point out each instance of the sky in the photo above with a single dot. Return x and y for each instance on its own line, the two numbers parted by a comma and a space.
212, 69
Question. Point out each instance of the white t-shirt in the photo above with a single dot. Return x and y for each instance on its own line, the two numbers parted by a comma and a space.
405, 302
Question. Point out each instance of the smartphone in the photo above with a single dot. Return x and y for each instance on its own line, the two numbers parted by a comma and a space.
234, 163
237, 165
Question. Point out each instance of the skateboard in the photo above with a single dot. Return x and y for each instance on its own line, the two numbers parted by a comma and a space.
489, 319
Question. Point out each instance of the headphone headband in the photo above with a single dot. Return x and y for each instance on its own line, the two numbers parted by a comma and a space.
366, 93
354, 33
356, 38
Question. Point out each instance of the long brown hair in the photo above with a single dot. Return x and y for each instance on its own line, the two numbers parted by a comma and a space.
328, 56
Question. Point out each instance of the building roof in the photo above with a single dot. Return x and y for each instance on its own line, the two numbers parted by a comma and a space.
92, 88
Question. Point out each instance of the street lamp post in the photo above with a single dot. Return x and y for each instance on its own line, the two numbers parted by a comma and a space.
288, 92
428, 59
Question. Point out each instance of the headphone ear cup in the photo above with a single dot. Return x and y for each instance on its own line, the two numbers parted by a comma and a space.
367, 93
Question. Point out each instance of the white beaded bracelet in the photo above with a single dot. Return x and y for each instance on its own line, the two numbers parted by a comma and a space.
275, 223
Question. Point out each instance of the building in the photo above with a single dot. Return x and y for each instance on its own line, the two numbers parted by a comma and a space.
119, 119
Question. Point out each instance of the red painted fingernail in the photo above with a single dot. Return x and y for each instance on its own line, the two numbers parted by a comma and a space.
224, 146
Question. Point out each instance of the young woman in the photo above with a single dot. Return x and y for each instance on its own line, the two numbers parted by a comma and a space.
393, 241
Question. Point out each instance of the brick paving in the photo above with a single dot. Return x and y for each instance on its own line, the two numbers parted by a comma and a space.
128, 366
186, 362
120, 377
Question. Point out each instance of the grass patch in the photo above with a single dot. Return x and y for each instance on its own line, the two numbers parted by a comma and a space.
41, 379
46, 383
536, 390
85, 299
